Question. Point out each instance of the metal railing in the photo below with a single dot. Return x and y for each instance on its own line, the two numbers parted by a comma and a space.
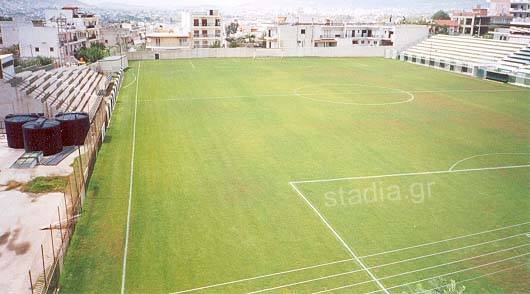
207, 35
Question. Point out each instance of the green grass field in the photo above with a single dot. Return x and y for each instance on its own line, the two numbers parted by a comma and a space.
303, 175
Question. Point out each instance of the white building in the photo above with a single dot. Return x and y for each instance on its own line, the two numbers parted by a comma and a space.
499, 7
168, 40
63, 32
344, 35
520, 9
207, 29
38, 40
122, 34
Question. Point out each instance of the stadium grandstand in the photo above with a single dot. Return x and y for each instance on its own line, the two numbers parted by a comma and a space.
495, 59
64, 89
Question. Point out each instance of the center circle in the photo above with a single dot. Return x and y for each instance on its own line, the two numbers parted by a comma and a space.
354, 94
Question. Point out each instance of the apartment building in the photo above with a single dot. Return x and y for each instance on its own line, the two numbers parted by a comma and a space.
123, 34
207, 29
327, 34
37, 39
520, 9
62, 33
473, 23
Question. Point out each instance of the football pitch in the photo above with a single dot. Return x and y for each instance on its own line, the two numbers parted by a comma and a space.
306, 175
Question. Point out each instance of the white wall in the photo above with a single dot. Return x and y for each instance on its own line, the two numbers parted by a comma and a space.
251, 52
408, 35
9, 33
42, 38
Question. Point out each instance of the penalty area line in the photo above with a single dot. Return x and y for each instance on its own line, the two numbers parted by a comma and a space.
413, 174
341, 240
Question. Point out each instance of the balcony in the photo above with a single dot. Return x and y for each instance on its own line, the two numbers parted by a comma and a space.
92, 37
211, 25
207, 36
331, 36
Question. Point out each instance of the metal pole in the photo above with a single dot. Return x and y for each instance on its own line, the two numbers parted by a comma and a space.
81, 165
53, 245
66, 210
60, 225
43, 266
30, 282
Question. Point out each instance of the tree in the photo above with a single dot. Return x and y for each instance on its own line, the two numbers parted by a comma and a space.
441, 15
436, 286
232, 28
93, 53
216, 44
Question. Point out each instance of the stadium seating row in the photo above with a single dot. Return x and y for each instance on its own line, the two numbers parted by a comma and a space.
64, 89
464, 50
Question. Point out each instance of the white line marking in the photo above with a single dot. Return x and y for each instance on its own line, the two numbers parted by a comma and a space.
192, 65
323, 219
459, 282
410, 99
125, 249
484, 155
379, 266
431, 267
263, 276
414, 174
129, 84
313, 94
441, 241
361, 257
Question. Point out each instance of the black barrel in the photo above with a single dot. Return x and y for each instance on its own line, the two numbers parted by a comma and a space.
14, 123
74, 127
43, 135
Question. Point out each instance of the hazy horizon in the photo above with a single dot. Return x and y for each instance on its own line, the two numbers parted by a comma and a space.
295, 3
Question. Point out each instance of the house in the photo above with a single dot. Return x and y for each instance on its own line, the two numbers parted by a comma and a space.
446, 27
168, 40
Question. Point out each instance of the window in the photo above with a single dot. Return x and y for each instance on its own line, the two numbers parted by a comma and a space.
431, 63
204, 22
464, 68
37, 49
51, 49
195, 22
442, 65
106, 41
302, 31
7, 63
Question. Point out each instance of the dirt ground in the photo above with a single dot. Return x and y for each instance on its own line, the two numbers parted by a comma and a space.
22, 219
